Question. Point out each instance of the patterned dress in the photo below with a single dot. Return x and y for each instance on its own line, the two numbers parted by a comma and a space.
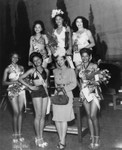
15, 89
39, 46
67, 78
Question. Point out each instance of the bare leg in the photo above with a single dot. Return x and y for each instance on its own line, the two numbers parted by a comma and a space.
63, 132
88, 109
94, 110
43, 113
15, 113
21, 105
37, 108
58, 126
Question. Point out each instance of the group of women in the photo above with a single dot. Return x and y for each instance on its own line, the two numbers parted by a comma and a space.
78, 43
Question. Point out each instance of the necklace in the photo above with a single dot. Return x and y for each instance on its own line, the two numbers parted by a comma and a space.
85, 67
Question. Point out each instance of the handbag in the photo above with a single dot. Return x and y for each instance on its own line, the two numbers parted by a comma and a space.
60, 99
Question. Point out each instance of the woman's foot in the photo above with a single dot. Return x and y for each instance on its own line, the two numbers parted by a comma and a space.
15, 138
61, 146
97, 142
91, 146
40, 142
20, 138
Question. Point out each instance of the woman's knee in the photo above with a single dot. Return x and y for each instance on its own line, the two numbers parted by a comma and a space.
93, 116
16, 113
43, 117
38, 116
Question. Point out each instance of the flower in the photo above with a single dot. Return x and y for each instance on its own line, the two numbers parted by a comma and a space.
15, 89
104, 76
52, 42
101, 76
56, 12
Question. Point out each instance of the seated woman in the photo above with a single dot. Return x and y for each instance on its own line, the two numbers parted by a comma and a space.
38, 88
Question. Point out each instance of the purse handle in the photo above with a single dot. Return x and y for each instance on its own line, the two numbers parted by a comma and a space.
61, 90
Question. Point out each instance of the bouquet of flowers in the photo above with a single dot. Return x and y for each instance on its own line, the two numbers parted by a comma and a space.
15, 89
101, 76
91, 80
52, 43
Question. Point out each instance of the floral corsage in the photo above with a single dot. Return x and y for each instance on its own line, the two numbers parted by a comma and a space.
56, 12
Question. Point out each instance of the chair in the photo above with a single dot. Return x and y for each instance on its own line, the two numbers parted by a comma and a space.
115, 98
78, 129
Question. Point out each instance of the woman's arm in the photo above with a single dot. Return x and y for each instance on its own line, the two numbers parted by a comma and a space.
91, 39
22, 77
69, 51
5, 76
72, 81
31, 46
46, 45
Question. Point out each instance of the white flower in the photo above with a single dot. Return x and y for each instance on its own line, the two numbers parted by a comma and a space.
56, 12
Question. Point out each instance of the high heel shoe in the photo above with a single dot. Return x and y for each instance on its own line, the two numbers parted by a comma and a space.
91, 146
15, 138
40, 142
61, 146
58, 145
20, 138
97, 142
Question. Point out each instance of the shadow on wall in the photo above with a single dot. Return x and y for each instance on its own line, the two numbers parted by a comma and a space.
22, 32
100, 47
7, 39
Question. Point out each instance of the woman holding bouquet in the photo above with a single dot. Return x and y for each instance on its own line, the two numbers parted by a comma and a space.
16, 94
90, 93
38, 88
81, 38
39, 43
62, 34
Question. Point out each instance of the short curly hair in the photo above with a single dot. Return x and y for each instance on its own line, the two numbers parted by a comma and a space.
35, 54
85, 50
41, 24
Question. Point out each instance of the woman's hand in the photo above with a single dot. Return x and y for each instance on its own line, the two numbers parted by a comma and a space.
14, 82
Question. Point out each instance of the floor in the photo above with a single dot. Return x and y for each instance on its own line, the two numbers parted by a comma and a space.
110, 129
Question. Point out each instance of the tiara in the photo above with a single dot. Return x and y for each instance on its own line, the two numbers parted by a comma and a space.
56, 12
